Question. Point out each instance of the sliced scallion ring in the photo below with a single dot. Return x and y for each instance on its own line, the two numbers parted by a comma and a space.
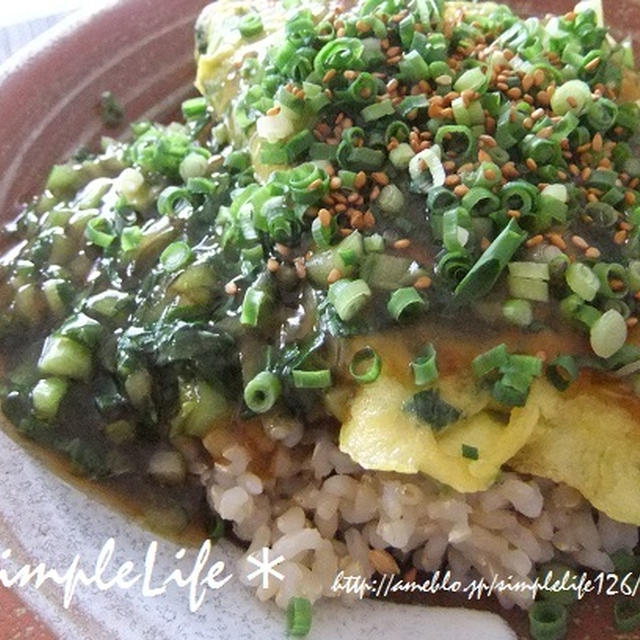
425, 368
366, 365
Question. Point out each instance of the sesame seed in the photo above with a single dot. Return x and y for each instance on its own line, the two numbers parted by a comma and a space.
312, 186
274, 111
590, 66
592, 252
328, 76
556, 240
380, 177
572, 102
403, 243
513, 213
231, 288
369, 219
335, 183
596, 143
334, 276
534, 241
579, 242
301, 270
360, 180
461, 190
620, 236
424, 282
487, 140
531, 164
542, 97
325, 217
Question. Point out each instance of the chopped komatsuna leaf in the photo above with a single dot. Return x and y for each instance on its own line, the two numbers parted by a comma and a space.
429, 407
470, 452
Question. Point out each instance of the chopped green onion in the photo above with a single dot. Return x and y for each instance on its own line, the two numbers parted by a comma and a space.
130, 238
175, 256
250, 25
534, 270
373, 243
518, 312
413, 67
391, 199
607, 274
47, 395
308, 183
99, 232
582, 280
471, 80
400, 156
633, 275
469, 452
547, 621
261, 393
485, 272
608, 334
368, 359
426, 170
490, 361
573, 96
508, 395
63, 357
252, 305
298, 617
322, 235
404, 300
349, 297
626, 614
377, 110
425, 367
562, 371
318, 379
194, 108
172, 200
456, 138
528, 288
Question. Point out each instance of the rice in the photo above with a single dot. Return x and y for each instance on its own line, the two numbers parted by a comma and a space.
325, 514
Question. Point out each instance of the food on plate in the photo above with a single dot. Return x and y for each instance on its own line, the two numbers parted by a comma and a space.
376, 297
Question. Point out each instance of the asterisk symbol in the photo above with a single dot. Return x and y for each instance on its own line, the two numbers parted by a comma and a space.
265, 567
